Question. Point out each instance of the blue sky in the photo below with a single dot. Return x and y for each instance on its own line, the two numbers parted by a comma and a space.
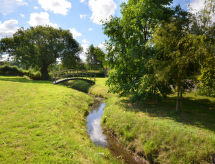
81, 17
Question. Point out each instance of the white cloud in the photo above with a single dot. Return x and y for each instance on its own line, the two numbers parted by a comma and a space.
85, 45
4, 57
56, 6
83, 16
101, 10
196, 5
8, 6
36, 7
22, 15
102, 46
75, 33
19, 0
8, 27
90, 29
41, 18
82, 1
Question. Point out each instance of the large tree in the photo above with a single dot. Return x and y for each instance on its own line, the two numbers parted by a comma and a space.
41, 46
129, 49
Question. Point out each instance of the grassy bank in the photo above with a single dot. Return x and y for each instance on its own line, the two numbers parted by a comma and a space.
45, 123
158, 132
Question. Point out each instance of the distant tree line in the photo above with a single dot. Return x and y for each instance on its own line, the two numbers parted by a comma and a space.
155, 49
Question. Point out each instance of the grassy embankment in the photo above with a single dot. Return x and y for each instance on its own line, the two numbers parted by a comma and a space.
45, 123
158, 132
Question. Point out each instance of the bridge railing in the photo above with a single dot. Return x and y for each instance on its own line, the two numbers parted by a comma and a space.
71, 73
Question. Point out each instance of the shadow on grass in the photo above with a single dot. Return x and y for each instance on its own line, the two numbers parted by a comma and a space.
22, 80
196, 112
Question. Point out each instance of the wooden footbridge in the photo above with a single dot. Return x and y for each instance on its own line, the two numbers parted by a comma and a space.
71, 74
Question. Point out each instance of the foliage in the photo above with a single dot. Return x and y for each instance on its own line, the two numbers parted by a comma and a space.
153, 51
79, 85
207, 79
178, 53
39, 47
95, 58
129, 49
203, 23
11, 70
15, 71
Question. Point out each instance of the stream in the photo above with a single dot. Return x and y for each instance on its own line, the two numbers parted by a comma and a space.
105, 139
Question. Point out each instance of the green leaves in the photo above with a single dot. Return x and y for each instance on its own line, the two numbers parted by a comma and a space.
41, 46
129, 47
95, 58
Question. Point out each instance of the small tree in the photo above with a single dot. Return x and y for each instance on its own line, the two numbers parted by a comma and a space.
177, 57
95, 58
203, 23
40, 47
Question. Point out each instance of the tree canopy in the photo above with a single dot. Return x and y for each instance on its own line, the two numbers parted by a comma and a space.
41, 46
129, 48
155, 49
177, 57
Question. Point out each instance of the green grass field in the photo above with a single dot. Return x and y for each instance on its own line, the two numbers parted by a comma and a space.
158, 132
45, 123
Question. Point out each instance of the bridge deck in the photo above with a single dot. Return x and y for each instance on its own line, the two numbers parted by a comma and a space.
72, 74
72, 78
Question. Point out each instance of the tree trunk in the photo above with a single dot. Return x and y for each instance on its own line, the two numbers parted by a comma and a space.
181, 97
177, 101
44, 72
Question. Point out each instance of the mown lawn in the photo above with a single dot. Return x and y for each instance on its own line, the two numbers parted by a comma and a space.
45, 123
158, 132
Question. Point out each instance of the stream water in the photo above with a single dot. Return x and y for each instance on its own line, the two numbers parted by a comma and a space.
99, 138
94, 128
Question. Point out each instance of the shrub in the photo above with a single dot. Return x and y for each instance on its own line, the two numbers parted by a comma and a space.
35, 75
11, 70
80, 85
15, 71
207, 85
206, 91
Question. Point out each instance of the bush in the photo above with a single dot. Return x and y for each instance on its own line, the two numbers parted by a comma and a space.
11, 71
207, 85
206, 91
34, 75
80, 85
8, 70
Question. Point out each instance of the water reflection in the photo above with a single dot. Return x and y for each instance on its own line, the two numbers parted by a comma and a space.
94, 128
